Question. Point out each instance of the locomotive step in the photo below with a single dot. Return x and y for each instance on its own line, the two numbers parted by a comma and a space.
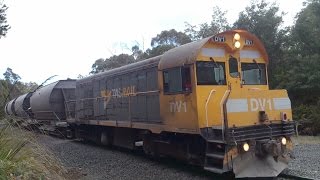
216, 156
215, 141
214, 170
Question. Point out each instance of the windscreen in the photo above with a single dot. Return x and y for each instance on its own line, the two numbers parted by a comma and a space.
253, 73
210, 73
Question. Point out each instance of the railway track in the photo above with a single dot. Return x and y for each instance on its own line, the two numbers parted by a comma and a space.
95, 167
163, 163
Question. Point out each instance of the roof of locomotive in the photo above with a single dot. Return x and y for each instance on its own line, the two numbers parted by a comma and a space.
179, 56
154, 61
188, 53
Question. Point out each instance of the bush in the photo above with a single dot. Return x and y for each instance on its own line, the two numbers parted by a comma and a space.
309, 118
21, 157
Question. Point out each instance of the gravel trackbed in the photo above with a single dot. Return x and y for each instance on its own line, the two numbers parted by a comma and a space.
88, 161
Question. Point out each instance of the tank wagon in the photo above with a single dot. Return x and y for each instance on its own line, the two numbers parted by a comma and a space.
5, 109
46, 108
22, 106
10, 107
48, 104
207, 102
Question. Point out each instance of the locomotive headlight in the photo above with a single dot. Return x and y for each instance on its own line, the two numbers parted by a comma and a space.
283, 141
236, 37
237, 44
245, 147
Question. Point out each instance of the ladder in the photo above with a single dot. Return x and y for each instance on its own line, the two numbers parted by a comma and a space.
214, 156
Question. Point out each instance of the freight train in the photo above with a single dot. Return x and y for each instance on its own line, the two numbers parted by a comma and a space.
207, 102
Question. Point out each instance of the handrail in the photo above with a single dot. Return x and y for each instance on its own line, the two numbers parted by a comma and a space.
254, 89
223, 101
130, 94
206, 107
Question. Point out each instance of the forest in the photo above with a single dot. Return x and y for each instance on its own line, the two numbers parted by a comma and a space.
294, 53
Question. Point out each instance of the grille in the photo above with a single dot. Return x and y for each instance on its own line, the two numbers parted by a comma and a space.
261, 131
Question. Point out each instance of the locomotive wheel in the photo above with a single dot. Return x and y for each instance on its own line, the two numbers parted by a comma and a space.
149, 147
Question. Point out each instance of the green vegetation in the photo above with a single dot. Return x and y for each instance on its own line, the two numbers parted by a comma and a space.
21, 157
4, 27
11, 87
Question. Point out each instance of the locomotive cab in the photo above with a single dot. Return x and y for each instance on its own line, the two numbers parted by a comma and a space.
251, 118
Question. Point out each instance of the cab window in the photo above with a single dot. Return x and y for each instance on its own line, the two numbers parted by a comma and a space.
253, 73
177, 80
210, 73
233, 67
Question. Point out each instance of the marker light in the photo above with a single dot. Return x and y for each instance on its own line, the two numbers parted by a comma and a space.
245, 147
236, 37
284, 116
283, 141
237, 44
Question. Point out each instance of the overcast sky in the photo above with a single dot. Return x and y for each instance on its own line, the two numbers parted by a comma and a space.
65, 37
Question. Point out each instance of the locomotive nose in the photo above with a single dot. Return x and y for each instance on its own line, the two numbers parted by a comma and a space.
269, 147
268, 159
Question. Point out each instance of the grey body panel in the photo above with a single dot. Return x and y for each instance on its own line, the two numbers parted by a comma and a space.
48, 103
18, 106
6, 110
140, 78
10, 107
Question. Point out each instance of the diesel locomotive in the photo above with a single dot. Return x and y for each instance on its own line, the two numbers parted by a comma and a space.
207, 102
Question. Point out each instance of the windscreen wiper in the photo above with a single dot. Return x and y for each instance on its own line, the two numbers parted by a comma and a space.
257, 64
260, 69
215, 63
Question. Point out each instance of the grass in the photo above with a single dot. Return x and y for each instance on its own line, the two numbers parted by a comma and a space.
21, 157
307, 139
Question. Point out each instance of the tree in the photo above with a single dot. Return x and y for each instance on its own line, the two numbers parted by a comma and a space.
304, 52
306, 31
98, 66
218, 24
11, 84
158, 50
28, 87
171, 38
264, 20
11, 87
4, 27
138, 54
114, 61
302, 59
10, 76
165, 41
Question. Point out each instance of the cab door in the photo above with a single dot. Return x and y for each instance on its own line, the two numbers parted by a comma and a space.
237, 101
177, 99
234, 81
